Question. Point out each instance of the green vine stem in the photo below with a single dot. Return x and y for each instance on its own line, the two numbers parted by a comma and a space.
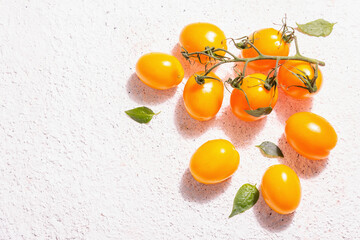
213, 54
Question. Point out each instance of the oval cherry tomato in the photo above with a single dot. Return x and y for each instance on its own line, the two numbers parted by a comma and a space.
269, 42
203, 102
310, 135
159, 70
257, 94
281, 189
214, 161
196, 36
290, 83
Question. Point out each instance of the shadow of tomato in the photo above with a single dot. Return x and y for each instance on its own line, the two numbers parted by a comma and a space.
193, 191
304, 168
143, 94
269, 219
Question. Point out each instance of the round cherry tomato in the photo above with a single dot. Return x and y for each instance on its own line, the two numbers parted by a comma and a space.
159, 70
196, 36
269, 42
290, 83
214, 161
257, 94
310, 135
203, 102
281, 189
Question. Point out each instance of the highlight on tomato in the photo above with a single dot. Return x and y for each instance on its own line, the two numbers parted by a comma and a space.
159, 70
196, 37
203, 101
298, 79
281, 189
214, 161
269, 42
253, 101
310, 135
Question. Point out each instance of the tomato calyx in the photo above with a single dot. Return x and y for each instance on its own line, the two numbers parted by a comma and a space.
211, 53
310, 84
269, 82
288, 33
200, 79
243, 42
237, 81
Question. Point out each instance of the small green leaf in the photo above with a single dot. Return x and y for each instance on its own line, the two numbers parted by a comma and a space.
260, 111
270, 149
141, 114
317, 28
245, 198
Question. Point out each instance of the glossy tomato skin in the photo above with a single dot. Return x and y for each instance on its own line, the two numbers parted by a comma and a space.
310, 135
281, 189
196, 36
203, 102
258, 96
269, 42
288, 80
159, 70
214, 161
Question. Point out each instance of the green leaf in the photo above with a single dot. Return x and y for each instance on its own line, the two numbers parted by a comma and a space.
260, 111
245, 198
317, 28
270, 149
141, 114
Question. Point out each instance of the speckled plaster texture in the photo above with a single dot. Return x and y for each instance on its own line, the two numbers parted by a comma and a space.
74, 166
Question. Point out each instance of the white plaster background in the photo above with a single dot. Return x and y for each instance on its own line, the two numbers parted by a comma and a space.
74, 166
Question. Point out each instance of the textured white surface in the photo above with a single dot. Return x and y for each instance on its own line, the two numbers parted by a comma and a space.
74, 166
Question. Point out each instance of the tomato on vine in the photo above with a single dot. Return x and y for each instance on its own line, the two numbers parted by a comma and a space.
253, 95
310, 135
269, 42
159, 70
214, 161
196, 37
298, 79
203, 100
281, 189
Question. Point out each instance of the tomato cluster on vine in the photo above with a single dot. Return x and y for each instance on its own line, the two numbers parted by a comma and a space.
266, 50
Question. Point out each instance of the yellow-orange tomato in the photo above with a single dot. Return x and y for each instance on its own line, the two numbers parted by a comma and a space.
281, 189
257, 94
290, 83
203, 102
214, 161
159, 70
269, 42
310, 135
196, 36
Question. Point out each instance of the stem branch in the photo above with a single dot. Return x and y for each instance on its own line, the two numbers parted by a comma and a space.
297, 47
